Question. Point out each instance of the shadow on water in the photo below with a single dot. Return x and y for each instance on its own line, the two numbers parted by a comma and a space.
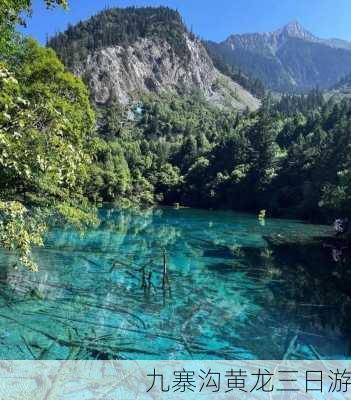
178, 284
313, 291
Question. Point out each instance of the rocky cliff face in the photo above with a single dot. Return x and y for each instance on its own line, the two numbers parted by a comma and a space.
149, 65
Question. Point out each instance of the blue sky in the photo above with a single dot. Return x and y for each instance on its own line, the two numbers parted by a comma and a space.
213, 19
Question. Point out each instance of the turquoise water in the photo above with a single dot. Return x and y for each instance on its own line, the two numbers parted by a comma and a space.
236, 290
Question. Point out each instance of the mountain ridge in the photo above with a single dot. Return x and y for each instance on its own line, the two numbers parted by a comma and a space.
288, 59
294, 29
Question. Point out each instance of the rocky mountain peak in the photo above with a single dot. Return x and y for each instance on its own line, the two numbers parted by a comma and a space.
292, 30
295, 29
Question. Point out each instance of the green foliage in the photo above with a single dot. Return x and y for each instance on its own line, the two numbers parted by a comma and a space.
79, 217
46, 127
19, 232
160, 137
290, 158
46, 122
110, 178
11, 14
121, 26
291, 105
337, 195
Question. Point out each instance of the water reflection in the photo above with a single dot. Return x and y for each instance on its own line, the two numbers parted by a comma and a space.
236, 289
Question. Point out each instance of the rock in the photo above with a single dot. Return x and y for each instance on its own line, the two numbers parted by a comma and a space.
152, 65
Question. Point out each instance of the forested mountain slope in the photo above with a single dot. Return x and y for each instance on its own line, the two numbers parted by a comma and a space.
124, 53
288, 59
344, 84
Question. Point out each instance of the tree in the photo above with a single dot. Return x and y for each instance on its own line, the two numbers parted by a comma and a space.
46, 125
263, 153
110, 178
11, 14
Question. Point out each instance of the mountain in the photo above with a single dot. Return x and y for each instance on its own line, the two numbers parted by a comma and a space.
344, 84
246, 80
124, 52
290, 59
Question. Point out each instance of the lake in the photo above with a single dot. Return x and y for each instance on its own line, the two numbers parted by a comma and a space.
236, 288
